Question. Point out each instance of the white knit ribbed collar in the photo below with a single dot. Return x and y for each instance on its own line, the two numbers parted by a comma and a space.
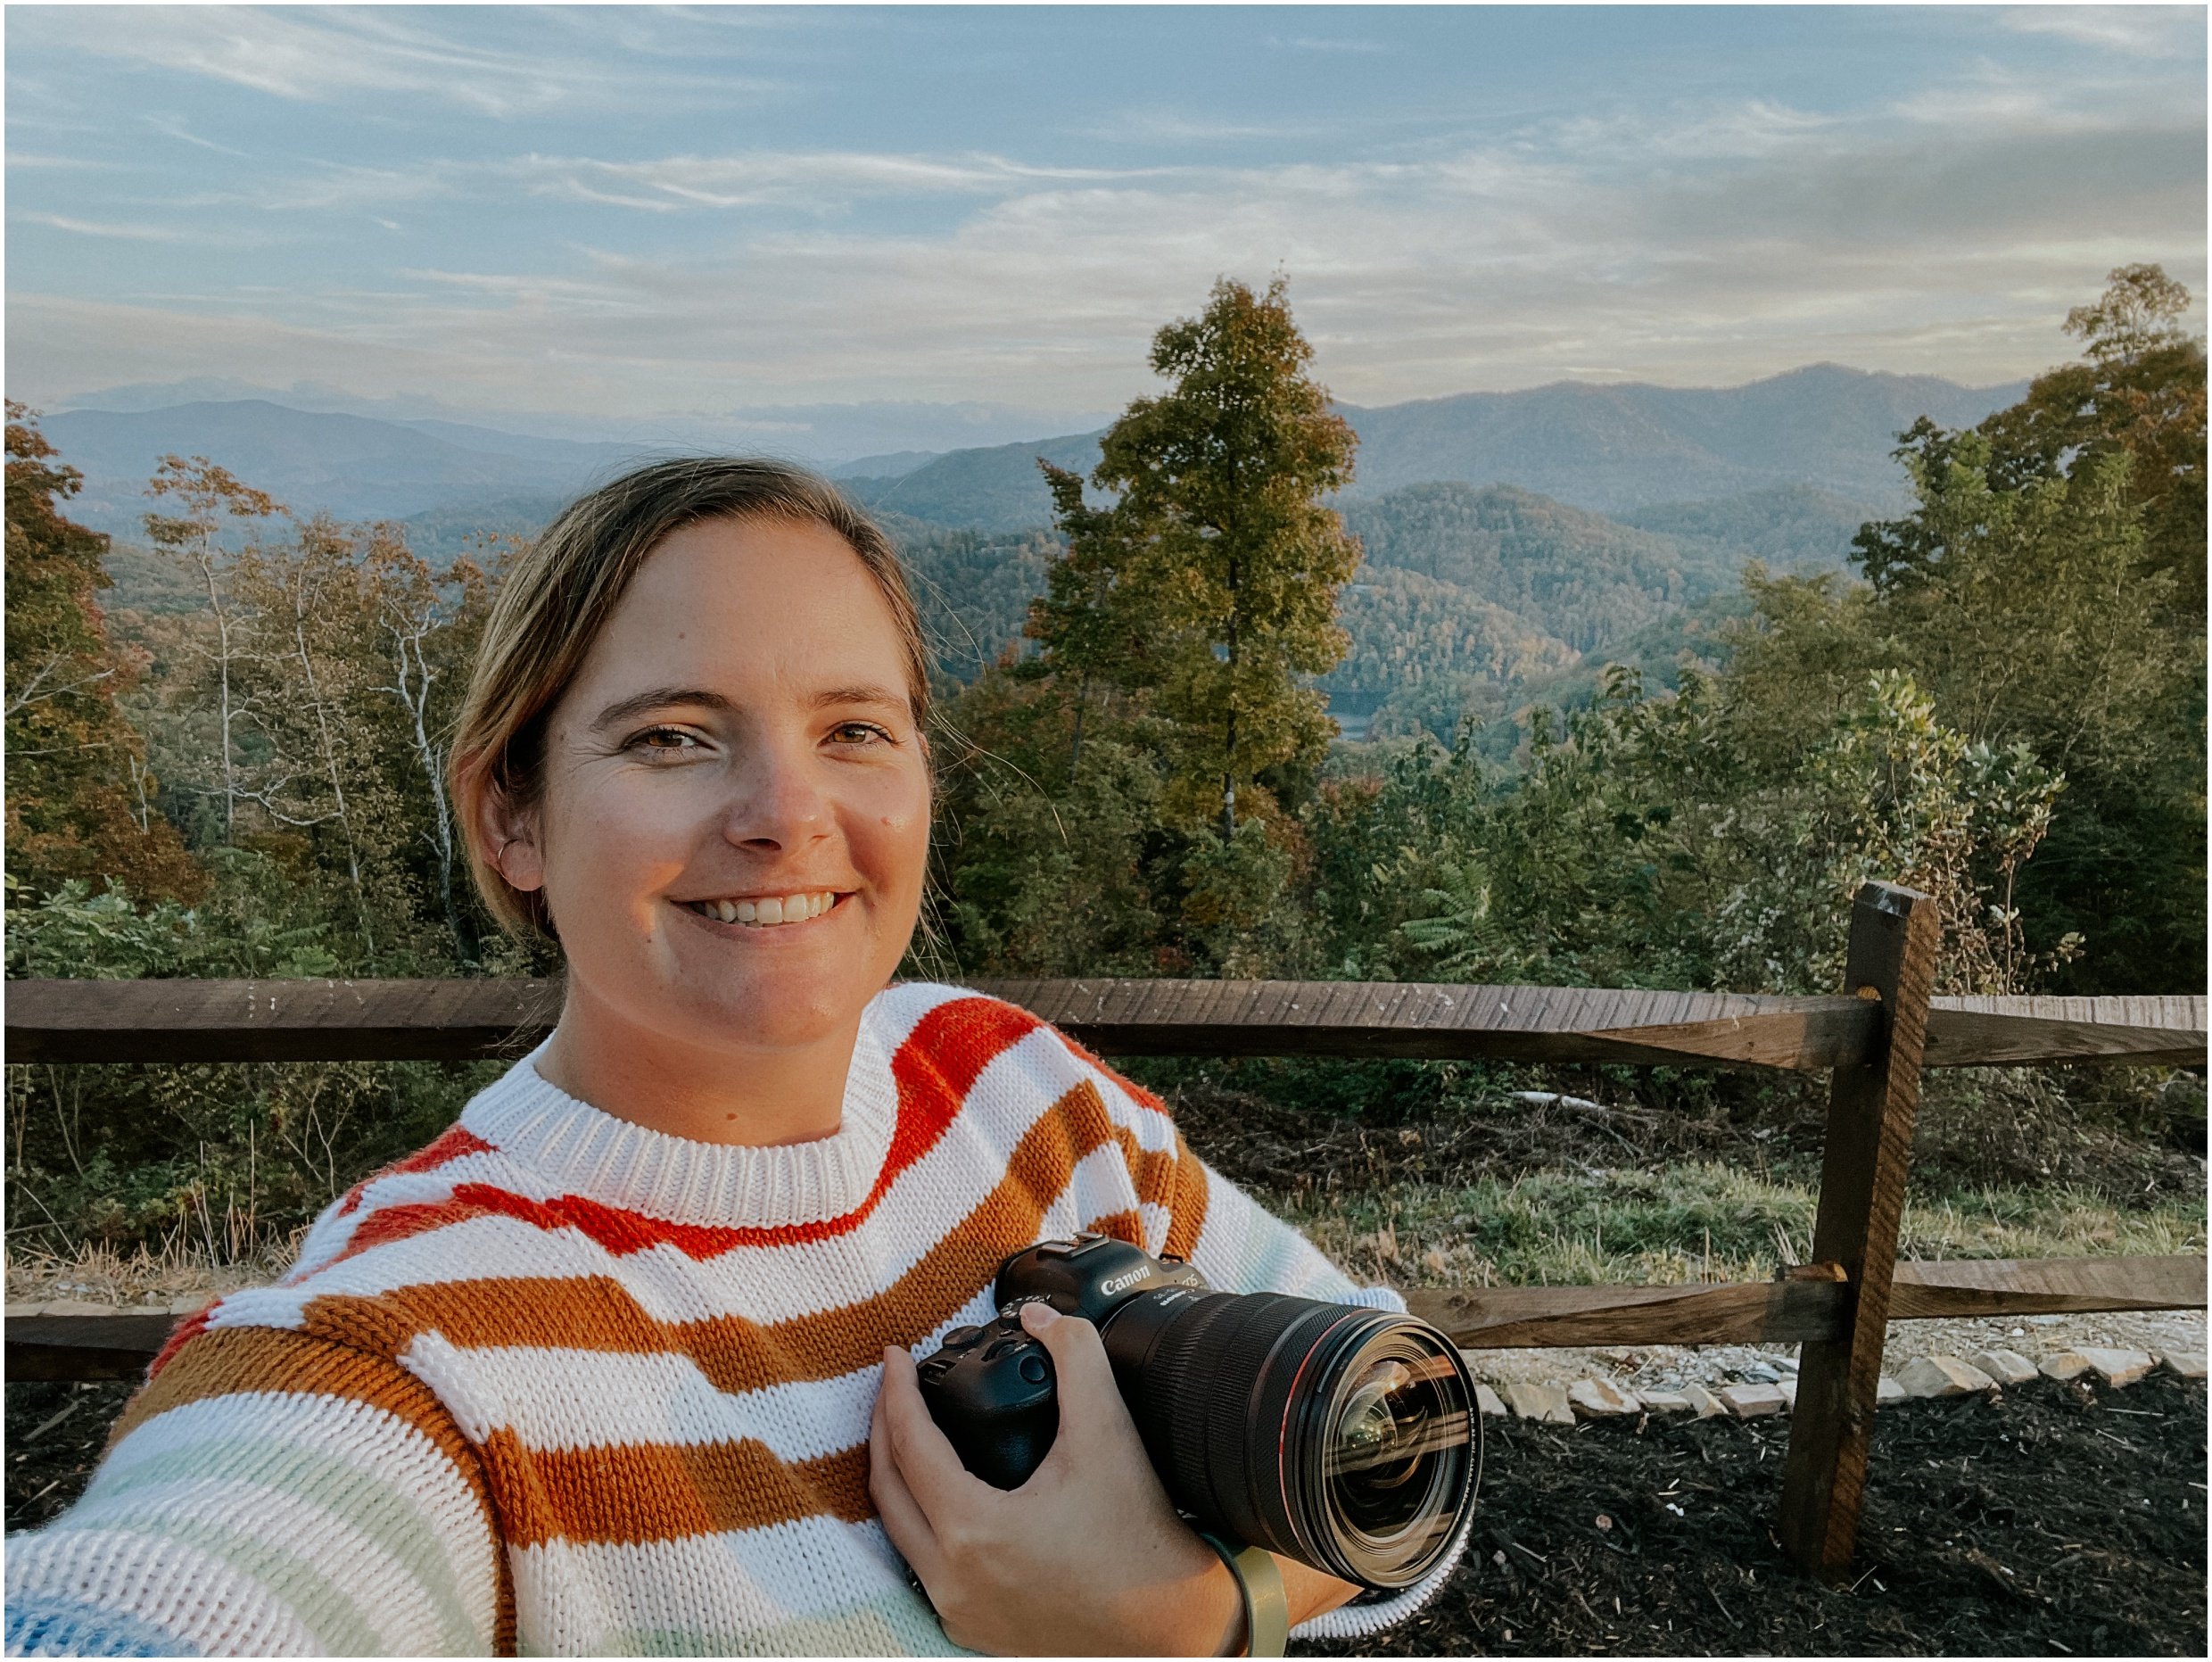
577, 1149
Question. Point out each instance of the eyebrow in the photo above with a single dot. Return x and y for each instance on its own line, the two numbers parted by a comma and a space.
661, 697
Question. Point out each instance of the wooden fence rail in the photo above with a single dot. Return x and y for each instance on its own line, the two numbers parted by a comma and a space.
446, 1020
1875, 1039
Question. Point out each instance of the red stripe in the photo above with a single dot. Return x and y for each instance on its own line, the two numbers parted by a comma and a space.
190, 1328
935, 1069
448, 1146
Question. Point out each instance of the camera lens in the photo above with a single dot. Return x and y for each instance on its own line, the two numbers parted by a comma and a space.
1339, 1436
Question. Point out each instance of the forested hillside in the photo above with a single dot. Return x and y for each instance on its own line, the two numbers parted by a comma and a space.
1579, 576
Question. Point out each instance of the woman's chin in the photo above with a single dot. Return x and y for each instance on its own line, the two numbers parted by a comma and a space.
794, 1000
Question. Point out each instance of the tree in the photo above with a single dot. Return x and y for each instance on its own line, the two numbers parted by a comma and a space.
304, 686
2139, 392
70, 750
2048, 589
429, 637
1211, 581
210, 495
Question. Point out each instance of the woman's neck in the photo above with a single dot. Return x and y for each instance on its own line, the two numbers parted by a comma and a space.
731, 1095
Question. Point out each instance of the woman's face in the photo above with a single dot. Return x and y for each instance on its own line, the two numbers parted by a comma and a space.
736, 815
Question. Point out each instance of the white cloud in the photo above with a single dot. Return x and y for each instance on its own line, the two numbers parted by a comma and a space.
1317, 43
175, 126
2149, 31
94, 227
1704, 242
342, 54
825, 180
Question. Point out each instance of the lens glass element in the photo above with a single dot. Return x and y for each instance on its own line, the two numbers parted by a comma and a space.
1380, 1445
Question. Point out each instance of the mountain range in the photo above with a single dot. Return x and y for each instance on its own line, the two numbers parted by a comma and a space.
1610, 448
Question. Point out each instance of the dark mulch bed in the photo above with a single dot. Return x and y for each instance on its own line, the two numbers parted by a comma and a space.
56, 1435
2058, 1521
2055, 1522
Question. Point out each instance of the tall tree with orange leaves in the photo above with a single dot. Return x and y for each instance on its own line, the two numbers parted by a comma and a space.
79, 793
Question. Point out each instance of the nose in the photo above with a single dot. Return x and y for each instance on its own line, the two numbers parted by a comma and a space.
779, 805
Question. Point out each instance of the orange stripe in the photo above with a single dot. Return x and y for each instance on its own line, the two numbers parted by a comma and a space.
642, 1491
224, 1361
1152, 1171
736, 1353
190, 1328
1123, 1226
1186, 1203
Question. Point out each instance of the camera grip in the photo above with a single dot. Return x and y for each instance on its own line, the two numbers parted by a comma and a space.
991, 1390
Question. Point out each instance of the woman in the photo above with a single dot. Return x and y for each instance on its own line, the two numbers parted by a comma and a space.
625, 1360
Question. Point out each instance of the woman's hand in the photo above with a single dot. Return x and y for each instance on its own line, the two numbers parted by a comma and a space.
1086, 1558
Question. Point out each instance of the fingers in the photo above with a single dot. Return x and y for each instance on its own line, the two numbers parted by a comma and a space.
902, 1519
925, 1461
1088, 1396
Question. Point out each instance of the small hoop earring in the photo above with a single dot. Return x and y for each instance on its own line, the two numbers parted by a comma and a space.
499, 859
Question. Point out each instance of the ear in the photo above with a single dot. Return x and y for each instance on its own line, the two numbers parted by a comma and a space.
510, 839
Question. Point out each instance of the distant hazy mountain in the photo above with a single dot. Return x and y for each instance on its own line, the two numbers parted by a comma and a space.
1611, 448
896, 465
998, 489
823, 435
355, 466
1480, 588
1614, 450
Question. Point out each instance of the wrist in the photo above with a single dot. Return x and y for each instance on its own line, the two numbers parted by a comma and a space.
1225, 1608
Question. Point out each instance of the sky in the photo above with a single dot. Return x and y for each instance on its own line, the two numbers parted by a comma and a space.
589, 217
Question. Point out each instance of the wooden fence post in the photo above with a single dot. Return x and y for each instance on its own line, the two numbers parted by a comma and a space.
1895, 933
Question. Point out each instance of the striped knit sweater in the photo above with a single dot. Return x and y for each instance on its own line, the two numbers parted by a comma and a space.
561, 1384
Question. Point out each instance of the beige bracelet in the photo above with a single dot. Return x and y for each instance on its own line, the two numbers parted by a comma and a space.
1267, 1606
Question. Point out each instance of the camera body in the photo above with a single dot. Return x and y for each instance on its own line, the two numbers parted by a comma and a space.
1342, 1436
991, 1389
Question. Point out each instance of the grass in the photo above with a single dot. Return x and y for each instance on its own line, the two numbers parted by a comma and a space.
96, 1271
1692, 1221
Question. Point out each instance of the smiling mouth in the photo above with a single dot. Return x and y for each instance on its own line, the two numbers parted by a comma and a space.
766, 911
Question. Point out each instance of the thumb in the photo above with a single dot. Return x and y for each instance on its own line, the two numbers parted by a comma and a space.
1088, 1395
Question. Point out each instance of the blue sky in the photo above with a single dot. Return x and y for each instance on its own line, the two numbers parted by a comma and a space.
612, 214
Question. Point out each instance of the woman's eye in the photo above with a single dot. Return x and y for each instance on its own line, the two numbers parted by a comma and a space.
674, 740
858, 733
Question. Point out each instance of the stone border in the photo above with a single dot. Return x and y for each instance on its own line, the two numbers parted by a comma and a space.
1569, 1402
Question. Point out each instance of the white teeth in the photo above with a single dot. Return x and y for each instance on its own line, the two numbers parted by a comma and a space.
774, 910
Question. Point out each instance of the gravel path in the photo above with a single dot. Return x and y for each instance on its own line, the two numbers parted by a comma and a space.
1666, 1366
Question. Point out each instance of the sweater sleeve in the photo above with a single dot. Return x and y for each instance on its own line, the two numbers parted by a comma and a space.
1238, 1247
271, 1494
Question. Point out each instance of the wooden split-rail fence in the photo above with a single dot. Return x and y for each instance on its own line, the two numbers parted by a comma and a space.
1875, 1039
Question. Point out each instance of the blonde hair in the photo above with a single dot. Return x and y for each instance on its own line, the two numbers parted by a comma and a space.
557, 594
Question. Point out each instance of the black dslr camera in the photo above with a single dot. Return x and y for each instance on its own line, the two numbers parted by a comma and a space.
1346, 1438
